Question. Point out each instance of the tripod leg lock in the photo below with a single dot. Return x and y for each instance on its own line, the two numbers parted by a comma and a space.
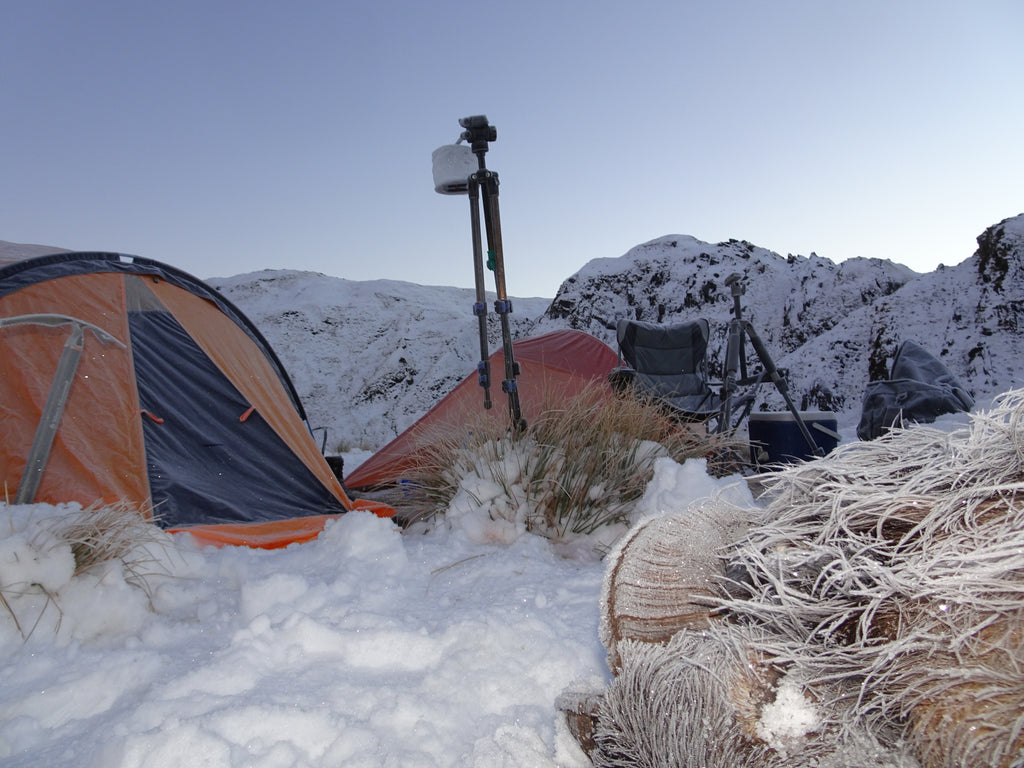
479, 309
503, 306
509, 386
483, 369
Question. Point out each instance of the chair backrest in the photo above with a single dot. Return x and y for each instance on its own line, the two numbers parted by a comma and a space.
670, 361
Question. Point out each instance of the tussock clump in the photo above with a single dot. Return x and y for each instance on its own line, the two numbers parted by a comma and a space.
44, 548
711, 697
678, 705
892, 573
101, 533
665, 575
581, 464
884, 581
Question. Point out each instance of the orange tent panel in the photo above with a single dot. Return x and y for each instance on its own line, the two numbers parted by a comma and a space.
98, 451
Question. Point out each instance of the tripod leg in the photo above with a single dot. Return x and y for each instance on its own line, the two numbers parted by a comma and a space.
496, 260
772, 373
480, 307
734, 363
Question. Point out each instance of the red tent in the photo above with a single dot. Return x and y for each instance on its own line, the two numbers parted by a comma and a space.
556, 365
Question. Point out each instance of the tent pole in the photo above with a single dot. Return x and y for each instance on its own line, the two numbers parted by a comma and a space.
60, 389
39, 454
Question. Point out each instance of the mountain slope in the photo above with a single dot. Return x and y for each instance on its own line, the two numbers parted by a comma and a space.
970, 316
789, 300
368, 358
833, 326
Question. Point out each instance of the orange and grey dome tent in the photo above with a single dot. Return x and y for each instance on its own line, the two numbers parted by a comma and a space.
127, 380
554, 367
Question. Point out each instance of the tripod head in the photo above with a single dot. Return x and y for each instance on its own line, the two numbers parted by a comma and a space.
478, 133
738, 287
735, 283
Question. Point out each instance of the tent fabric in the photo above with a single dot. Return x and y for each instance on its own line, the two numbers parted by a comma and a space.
275, 534
222, 341
552, 366
12, 252
99, 452
186, 412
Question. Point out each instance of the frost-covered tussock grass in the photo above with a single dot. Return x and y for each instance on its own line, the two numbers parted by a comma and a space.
577, 470
51, 557
886, 583
893, 574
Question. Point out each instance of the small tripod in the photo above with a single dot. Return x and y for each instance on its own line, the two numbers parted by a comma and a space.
479, 133
735, 374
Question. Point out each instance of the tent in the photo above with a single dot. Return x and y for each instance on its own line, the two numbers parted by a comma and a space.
552, 366
126, 380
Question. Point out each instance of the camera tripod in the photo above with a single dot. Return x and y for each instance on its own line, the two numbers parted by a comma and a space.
735, 373
479, 133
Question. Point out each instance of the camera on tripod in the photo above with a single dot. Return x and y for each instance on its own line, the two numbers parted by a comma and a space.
738, 332
455, 163
457, 172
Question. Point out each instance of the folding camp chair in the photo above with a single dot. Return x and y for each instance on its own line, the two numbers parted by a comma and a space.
669, 364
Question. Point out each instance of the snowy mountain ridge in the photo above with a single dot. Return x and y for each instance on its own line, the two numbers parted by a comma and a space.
833, 326
368, 358
384, 352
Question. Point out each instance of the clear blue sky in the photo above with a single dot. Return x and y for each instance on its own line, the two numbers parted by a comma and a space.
226, 137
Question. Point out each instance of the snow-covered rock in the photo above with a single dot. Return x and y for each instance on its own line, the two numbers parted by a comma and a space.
790, 301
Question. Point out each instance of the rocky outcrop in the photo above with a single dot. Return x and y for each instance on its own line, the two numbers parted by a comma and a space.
834, 327
969, 316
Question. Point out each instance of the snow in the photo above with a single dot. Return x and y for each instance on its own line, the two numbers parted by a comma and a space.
787, 718
368, 358
368, 646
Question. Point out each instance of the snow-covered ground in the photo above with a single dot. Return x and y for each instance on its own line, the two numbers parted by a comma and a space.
366, 647
370, 646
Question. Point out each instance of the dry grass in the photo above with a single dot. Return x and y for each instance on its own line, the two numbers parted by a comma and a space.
347, 445
113, 532
583, 463
98, 534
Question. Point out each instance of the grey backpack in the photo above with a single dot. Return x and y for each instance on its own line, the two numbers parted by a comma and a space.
919, 389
